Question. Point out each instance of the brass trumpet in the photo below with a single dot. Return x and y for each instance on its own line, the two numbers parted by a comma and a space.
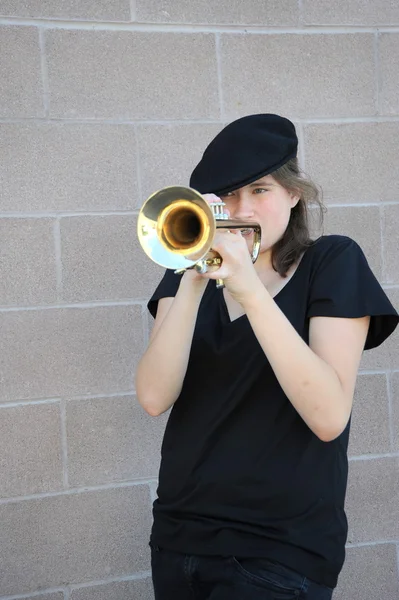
176, 227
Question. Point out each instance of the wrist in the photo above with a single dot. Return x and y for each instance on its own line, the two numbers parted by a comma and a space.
255, 297
192, 284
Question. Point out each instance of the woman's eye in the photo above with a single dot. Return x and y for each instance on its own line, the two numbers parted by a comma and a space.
260, 190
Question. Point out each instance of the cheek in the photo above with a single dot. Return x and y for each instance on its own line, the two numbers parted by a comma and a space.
274, 221
276, 214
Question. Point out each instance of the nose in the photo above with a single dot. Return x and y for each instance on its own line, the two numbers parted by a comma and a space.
244, 208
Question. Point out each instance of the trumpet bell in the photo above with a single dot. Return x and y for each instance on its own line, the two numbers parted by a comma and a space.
176, 227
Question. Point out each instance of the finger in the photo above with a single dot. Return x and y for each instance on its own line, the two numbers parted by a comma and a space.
227, 240
221, 238
221, 273
211, 198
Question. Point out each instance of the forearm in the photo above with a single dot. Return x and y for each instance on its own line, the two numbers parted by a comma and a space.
161, 370
311, 385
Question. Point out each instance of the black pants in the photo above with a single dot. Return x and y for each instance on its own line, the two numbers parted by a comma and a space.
182, 577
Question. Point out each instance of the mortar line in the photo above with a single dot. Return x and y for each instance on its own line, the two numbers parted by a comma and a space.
373, 456
390, 411
32, 595
65, 215
359, 204
135, 577
44, 73
64, 443
138, 162
377, 72
111, 121
333, 120
114, 485
29, 403
99, 304
342, 120
133, 10
249, 28
372, 372
300, 13
219, 76
382, 242
390, 286
105, 395
397, 557
302, 155
145, 325
58, 258
371, 543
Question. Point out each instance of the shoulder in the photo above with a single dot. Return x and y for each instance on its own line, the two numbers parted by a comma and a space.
167, 288
330, 243
342, 284
328, 248
334, 258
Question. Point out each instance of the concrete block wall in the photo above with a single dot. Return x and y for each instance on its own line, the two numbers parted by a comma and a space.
101, 103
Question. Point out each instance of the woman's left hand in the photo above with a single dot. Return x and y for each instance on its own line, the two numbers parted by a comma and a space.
237, 270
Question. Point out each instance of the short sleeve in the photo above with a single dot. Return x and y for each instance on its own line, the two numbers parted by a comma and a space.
167, 288
343, 285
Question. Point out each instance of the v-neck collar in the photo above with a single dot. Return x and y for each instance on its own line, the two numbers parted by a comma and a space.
225, 310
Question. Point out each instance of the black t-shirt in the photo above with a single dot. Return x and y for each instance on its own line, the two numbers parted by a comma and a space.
241, 472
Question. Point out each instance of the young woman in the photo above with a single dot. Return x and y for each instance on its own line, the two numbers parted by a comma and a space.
261, 376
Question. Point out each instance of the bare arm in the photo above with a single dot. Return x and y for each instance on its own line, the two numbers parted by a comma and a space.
161, 370
318, 379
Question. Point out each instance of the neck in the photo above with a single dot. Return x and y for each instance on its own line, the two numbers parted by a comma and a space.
263, 263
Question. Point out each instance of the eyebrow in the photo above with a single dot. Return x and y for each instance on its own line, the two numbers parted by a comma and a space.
260, 182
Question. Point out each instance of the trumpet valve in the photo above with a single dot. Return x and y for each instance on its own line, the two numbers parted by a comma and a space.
217, 209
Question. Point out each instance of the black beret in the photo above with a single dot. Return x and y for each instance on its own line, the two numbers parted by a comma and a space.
244, 151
